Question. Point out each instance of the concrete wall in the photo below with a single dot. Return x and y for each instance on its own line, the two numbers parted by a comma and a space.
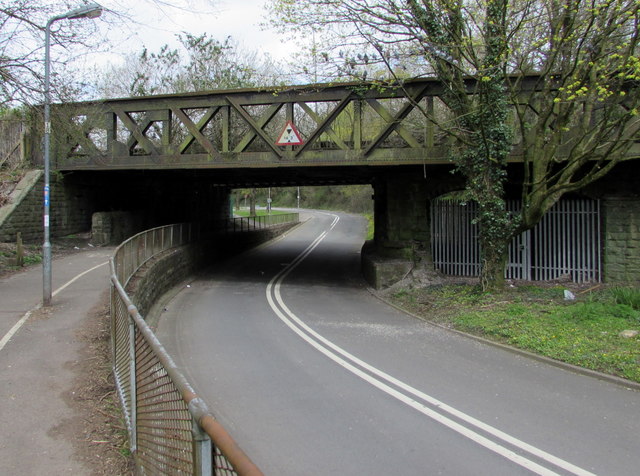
402, 241
382, 271
402, 235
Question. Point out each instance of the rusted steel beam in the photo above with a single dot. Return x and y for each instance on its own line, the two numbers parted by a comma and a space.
395, 123
195, 131
238, 128
345, 100
260, 123
237, 105
137, 132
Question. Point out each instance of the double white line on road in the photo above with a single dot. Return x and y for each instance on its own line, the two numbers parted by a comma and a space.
433, 408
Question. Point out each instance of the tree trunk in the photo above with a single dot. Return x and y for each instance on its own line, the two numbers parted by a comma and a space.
496, 230
494, 263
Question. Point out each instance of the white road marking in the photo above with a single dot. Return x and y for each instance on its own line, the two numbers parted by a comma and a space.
7, 337
71, 281
377, 378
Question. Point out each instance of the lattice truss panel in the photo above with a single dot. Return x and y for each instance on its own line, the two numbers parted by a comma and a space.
343, 124
335, 125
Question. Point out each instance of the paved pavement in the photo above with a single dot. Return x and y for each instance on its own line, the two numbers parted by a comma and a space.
38, 348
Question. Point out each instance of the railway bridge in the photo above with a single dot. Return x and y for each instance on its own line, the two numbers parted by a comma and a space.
176, 157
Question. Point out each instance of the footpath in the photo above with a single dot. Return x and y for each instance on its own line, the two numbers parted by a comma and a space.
39, 348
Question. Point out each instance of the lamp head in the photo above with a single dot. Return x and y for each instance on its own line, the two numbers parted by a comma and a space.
90, 10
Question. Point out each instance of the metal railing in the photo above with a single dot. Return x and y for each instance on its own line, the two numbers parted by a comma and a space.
138, 249
262, 221
171, 431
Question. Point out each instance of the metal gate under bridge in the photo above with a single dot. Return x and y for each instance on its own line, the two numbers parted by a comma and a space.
566, 242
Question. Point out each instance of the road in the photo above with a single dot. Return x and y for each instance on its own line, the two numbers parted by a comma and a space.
315, 376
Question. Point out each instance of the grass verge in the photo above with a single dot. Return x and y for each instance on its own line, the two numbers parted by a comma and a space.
585, 332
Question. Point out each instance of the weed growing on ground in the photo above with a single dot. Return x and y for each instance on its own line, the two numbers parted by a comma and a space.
32, 259
628, 296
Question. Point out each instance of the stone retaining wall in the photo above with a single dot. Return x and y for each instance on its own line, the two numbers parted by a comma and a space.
163, 272
621, 240
111, 228
70, 209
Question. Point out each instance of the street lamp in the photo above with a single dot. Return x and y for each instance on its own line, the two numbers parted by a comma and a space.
91, 10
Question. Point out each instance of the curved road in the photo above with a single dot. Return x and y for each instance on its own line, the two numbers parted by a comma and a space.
314, 376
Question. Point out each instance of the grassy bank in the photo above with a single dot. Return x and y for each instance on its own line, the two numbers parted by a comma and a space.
584, 332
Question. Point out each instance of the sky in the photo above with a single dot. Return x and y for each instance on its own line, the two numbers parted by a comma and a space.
153, 27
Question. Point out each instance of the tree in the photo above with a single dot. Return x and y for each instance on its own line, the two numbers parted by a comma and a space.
22, 27
201, 63
22, 24
556, 82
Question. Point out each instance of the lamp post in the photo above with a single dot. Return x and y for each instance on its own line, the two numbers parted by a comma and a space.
91, 10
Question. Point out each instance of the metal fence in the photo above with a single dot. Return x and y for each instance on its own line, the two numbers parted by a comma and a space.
171, 431
566, 242
137, 250
262, 221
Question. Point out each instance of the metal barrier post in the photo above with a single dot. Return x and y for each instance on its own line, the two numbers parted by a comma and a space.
112, 324
132, 378
202, 451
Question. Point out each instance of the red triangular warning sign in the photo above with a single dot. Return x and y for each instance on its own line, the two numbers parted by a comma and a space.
289, 135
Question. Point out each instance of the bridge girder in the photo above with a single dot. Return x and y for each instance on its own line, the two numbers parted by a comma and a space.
344, 124
347, 124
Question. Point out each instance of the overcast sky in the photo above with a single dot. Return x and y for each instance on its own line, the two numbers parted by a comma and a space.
153, 27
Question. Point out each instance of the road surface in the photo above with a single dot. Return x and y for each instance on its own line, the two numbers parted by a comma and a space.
314, 376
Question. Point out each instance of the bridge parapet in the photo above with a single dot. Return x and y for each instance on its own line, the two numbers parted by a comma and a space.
341, 124
344, 124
